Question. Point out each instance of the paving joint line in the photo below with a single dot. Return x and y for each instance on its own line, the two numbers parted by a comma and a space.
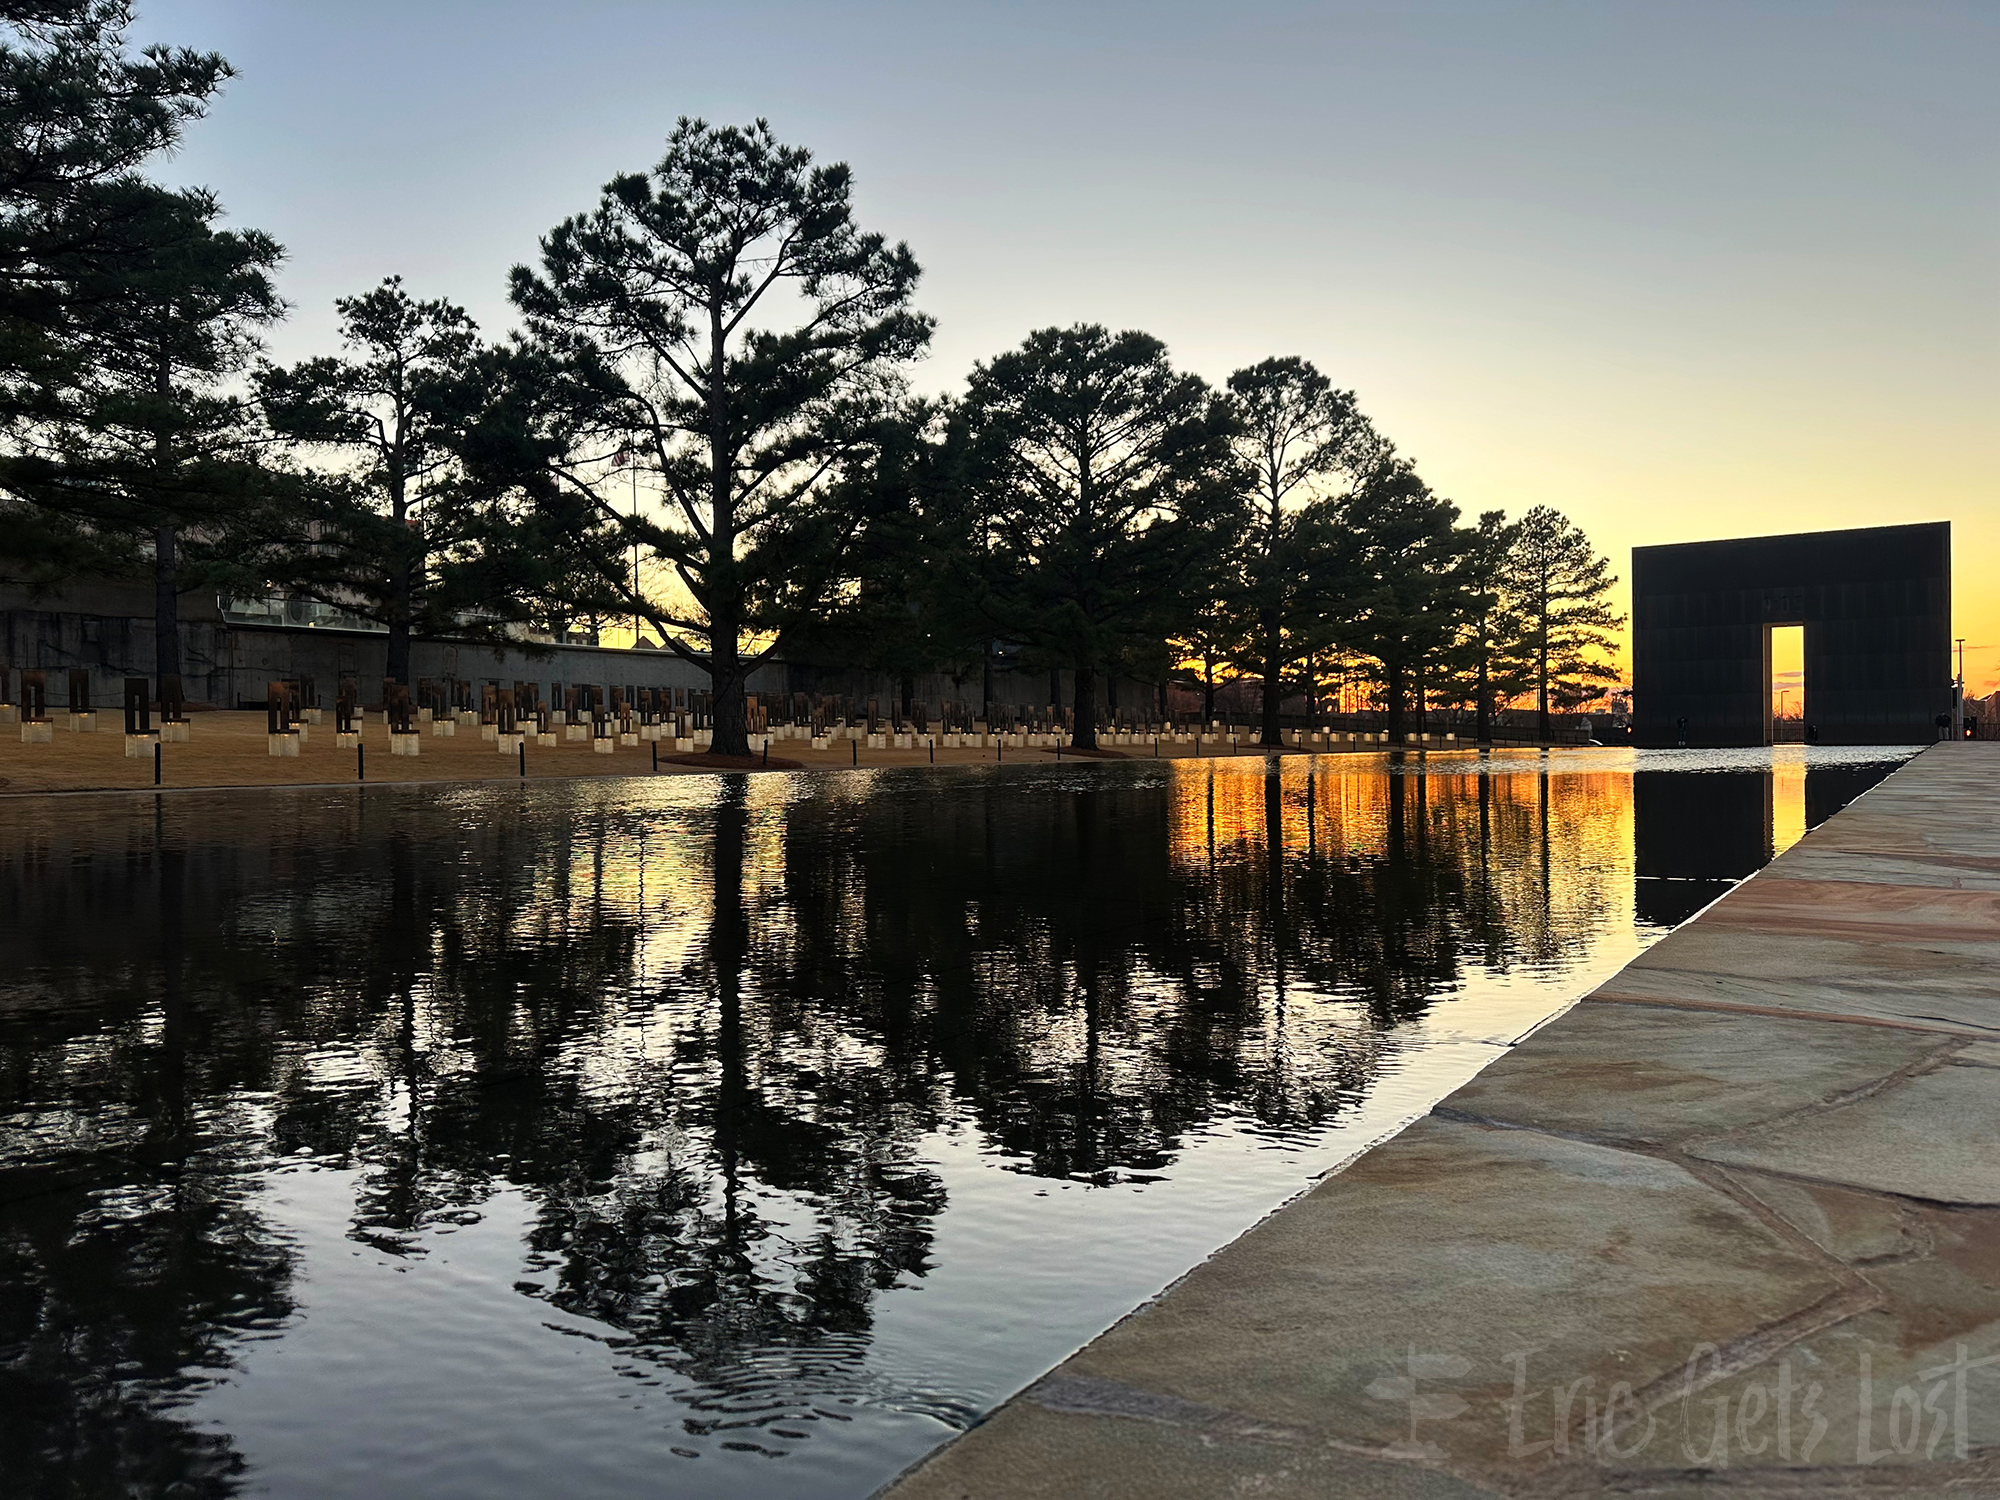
1943, 1027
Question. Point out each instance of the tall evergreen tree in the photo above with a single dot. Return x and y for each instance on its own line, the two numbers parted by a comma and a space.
1402, 561
1487, 661
77, 108
907, 606
393, 412
79, 115
149, 449
1102, 475
1302, 442
1559, 588
723, 314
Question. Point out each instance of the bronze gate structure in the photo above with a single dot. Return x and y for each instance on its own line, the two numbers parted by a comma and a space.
1876, 607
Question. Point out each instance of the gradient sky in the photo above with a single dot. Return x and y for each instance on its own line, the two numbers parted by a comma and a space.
1681, 270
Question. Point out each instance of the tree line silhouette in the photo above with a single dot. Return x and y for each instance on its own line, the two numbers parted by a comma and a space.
704, 425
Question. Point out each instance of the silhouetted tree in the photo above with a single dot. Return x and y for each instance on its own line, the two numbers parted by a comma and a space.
79, 115
1485, 664
393, 410
907, 606
1302, 443
147, 448
1401, 565
1558, 587
1208, 639
1101, 474
723, 314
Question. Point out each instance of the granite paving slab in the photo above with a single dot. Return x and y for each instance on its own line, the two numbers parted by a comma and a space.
1905, 1385
1979, 872
1924, 985
1657, 1075
1621, 1263
1935, 1136
1963, 922
1858, 1227
1054, 1444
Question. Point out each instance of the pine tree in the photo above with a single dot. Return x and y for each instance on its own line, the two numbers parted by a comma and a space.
1302, 443
724, 315
1101, 476
1208, 640
1558, 586
1486, 664
393, 411
148, 451
1401, 568
79, 115
908, 603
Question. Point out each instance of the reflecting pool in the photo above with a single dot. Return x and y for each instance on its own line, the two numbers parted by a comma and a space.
738, 1136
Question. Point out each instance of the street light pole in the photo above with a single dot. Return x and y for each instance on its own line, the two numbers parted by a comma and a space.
1958, 695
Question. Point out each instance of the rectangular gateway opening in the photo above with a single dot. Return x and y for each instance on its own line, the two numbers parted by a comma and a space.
1785, 680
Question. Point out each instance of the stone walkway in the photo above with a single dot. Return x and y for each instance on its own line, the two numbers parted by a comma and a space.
1728, 1227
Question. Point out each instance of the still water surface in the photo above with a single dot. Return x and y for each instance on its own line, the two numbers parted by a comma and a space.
738, 1136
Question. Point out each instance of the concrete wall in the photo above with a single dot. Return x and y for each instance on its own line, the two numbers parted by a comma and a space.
108, 629
1876, 607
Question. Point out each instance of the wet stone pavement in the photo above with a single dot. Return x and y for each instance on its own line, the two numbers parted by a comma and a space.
1730, 1226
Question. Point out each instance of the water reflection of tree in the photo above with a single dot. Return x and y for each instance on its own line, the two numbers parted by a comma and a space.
725, 1162
1100, 970
130, 1248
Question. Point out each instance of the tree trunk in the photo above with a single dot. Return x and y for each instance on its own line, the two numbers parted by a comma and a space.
731, 728
1542, 695
166, 609
166, 541
1084, 735
399, 649
1272, 672
1392, 691
729, 716
1483, 708
729, 710
1055, 694
1207, 693
402, 597
401, 586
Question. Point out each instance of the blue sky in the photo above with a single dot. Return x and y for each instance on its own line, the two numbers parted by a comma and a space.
1681, 269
